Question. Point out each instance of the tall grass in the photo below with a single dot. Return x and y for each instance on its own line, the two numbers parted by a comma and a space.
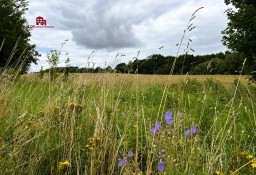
93, 126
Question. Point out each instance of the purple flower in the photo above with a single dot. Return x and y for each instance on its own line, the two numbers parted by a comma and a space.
168, 115
156, 128
168, 118
170, 122
122, 163
130, 154
161, 166
187, 132
157, 125
163, 151
193, 130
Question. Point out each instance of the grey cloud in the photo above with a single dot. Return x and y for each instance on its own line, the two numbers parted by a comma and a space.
108, 24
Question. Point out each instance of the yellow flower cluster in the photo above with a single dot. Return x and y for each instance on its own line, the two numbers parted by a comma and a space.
245, 155
64, 165
93, 142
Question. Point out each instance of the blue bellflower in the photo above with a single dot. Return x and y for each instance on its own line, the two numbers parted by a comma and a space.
161, 166
193, 130
156, 128
130, 154
122, 163
168, 118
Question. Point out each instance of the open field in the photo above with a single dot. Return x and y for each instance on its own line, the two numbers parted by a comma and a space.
128, 124
88, 78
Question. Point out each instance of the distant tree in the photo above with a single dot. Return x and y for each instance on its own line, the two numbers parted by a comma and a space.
121, 68
15, 49
208, 67
108, 69
240, 34
233, 63
97, 70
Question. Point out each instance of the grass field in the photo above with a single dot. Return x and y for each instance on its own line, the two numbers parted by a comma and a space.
90, 78
128, 124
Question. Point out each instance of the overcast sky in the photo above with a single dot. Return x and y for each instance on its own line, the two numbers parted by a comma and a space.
124, 27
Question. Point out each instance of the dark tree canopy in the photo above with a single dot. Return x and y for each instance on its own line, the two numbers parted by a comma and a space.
240, 34
15, 50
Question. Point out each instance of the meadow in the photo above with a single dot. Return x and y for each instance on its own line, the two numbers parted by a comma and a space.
127, 124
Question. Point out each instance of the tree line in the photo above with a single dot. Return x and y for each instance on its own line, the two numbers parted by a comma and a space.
219, 63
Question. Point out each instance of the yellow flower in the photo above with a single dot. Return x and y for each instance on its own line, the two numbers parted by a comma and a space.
180, 143
244, 153
253, 164
93, 142
249, 156
218, 173
64, 165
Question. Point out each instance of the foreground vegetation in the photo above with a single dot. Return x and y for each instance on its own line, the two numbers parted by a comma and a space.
123, 124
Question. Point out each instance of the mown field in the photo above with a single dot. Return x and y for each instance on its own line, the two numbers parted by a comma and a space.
128, 124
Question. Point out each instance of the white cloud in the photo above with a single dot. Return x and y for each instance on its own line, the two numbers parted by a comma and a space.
124, 26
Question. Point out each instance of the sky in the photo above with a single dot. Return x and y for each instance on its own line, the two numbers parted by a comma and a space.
108, 32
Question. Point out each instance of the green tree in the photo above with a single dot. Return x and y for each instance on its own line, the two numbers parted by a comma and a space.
240, 34
121, 68
208, 67
53, 61
15, 49
233, 63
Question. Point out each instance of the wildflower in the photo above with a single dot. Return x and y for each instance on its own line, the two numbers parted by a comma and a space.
157, 125
244, 153
193, 130
153, 130
161, 166
93, 142
156, 128
180, 143
168, 118
218, 173
163, 151
130, 154
249, 156
253, 164
187, 132
64, 165
122, 163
